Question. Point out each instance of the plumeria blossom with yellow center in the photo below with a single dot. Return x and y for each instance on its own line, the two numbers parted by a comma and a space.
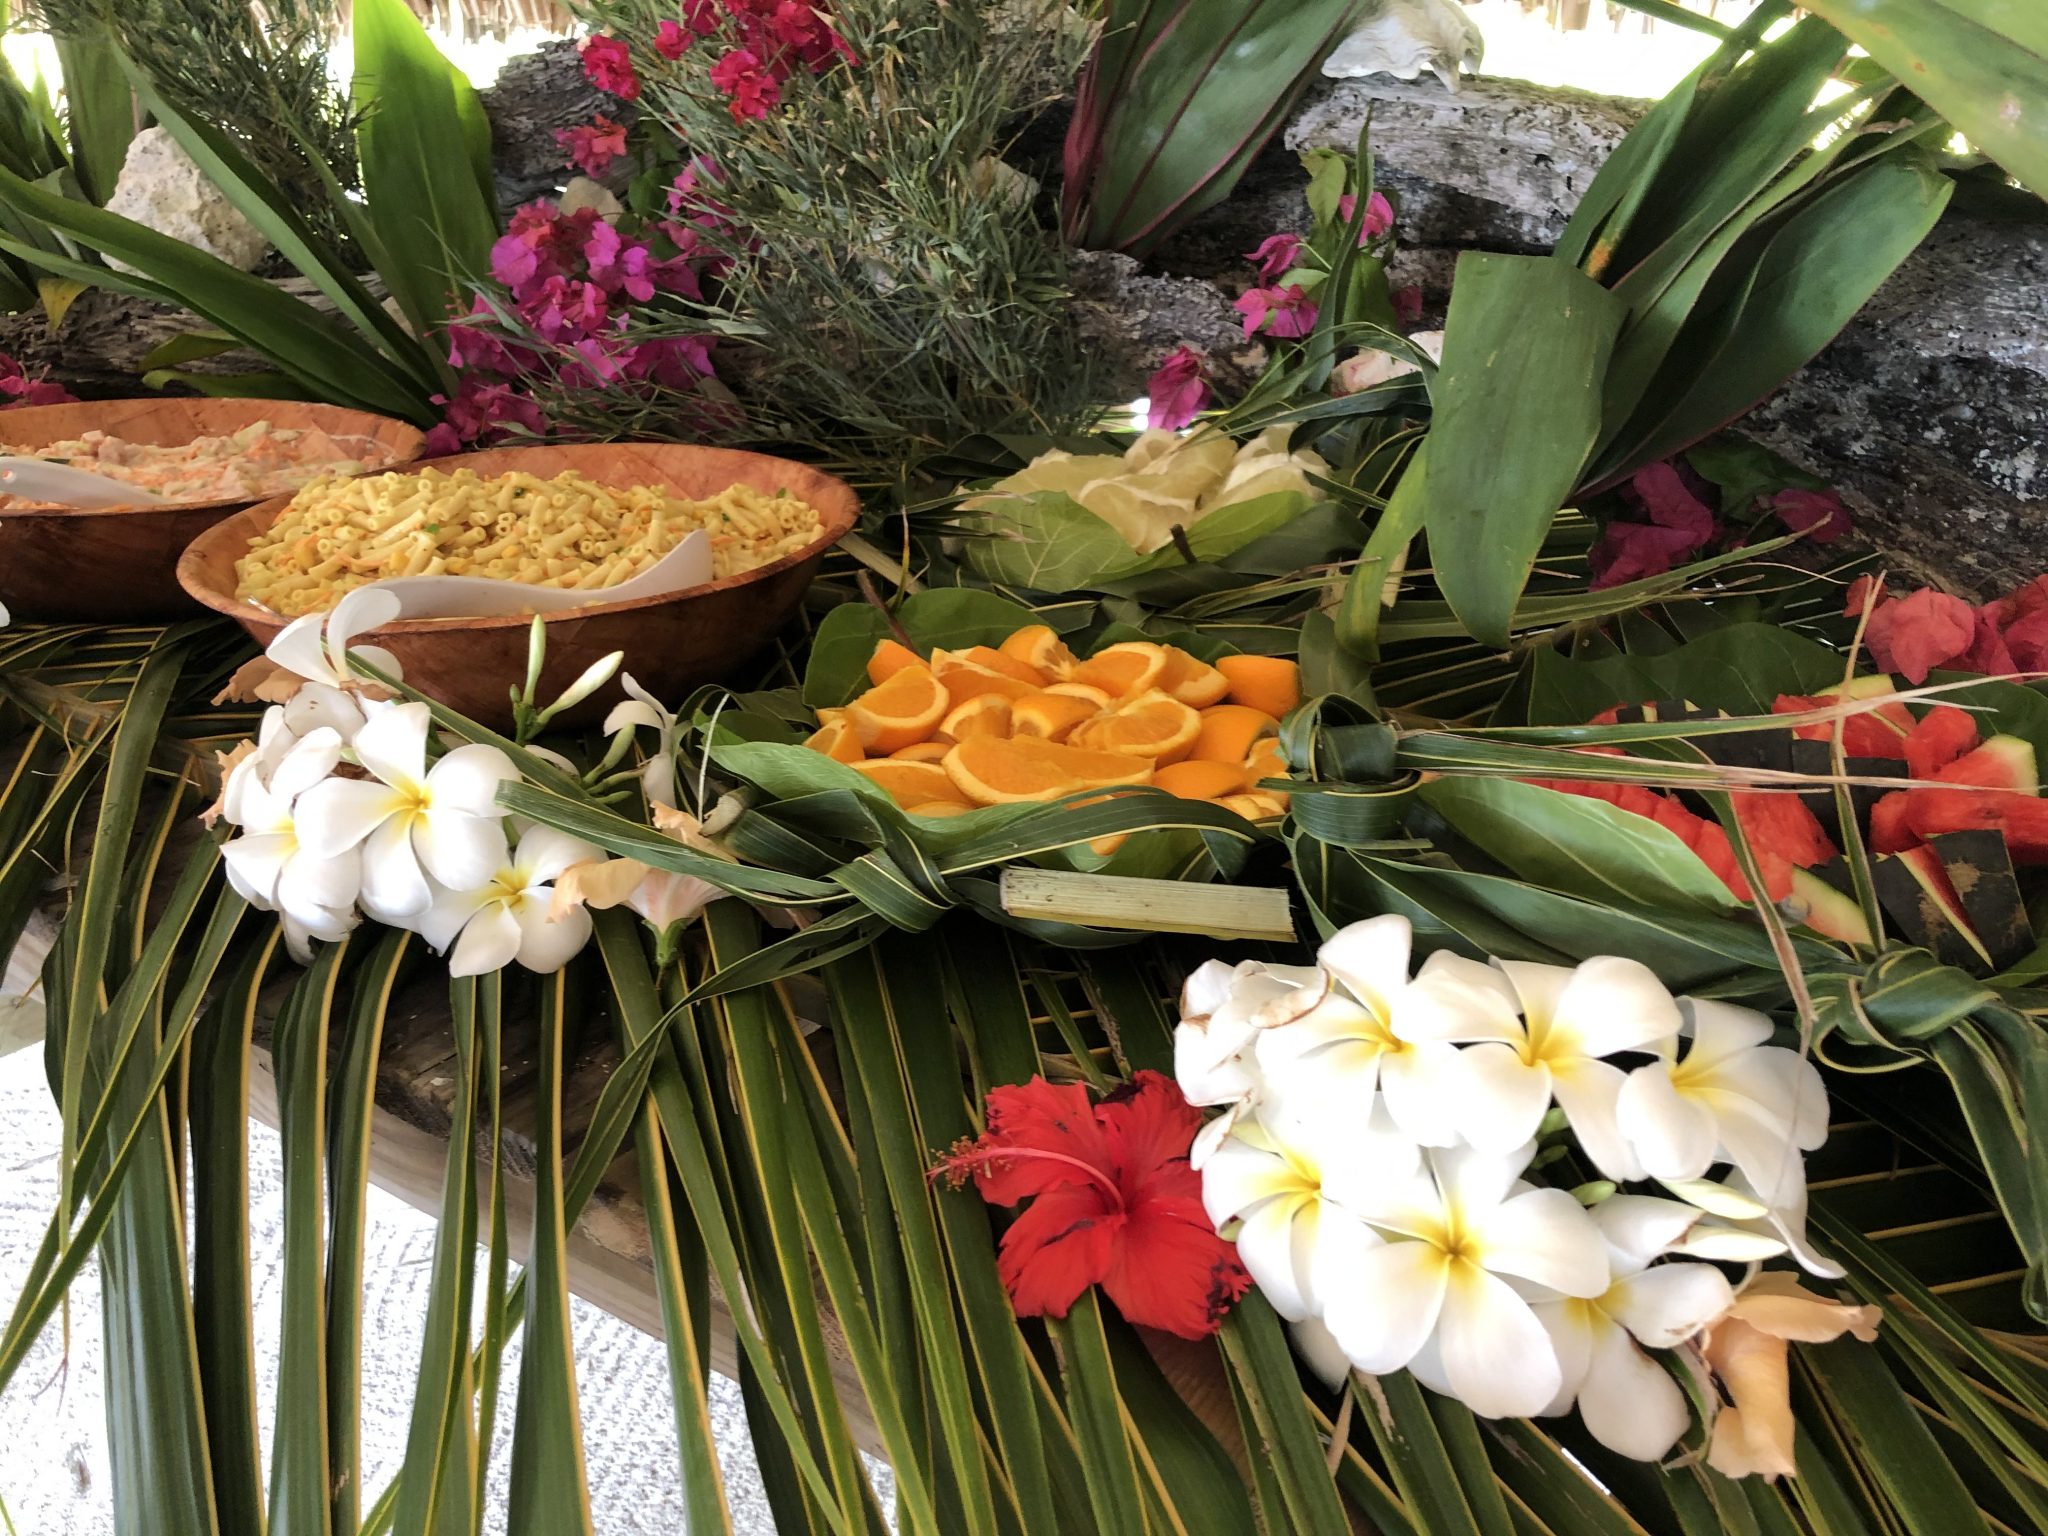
313, 895
410, 821
1628, 1401
1442, 1286
1354, 1045
512, 915
1731, 1097
1287, 1189
1540, 1032
1223, 1009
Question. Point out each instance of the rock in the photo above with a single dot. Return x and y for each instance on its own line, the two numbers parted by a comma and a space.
534, 95
1930, 411
1130, 320
1498, 165
1403, 38
160, 186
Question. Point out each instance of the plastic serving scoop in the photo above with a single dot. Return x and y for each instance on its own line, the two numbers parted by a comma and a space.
60, 484
482, 597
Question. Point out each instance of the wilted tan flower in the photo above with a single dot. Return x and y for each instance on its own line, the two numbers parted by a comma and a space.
1747, 1351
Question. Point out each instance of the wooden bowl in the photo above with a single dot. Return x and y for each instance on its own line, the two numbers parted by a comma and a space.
119, 564
672, 643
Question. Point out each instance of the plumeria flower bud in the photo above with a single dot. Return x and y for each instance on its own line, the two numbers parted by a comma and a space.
594, 677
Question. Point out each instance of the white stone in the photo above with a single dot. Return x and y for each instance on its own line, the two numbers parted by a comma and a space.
1405, 37
162, 188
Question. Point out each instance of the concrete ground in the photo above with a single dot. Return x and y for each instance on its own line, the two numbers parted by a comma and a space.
53, 1462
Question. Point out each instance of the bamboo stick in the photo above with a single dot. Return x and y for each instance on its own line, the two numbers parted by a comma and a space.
1148, 906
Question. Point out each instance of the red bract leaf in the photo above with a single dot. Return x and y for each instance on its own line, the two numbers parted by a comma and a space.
1114, 1203
1915, 634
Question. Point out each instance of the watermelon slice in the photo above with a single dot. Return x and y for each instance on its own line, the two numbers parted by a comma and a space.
2003, 762
1944, 734
1981, 873
1781, 824
1914, 889
1879, 732
1822, 904
2022, 818
1704, 836
1891, 830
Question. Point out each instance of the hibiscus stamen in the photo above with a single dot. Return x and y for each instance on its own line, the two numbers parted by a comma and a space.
969, 1157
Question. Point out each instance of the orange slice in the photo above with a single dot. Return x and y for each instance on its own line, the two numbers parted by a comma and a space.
1229, 733
922, 752
1191, 679
905, 709
1037, 646
1088, 691
1105, 846
1199, 781
966, 679
838, 740
1256, 805
1150, 726
992, 771
986, 714
1009, 666
891, 657
911, 783
1270, 684
1124, 669
940, 808
1050, 716
1266, 762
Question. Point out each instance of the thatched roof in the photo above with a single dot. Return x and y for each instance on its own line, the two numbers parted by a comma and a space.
492, 18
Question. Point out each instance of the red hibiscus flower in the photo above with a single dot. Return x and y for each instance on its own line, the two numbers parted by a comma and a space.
1177, 390
1113, 1203
609, 64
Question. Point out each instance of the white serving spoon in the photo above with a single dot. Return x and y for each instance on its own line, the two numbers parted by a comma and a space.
481, 597
41, 480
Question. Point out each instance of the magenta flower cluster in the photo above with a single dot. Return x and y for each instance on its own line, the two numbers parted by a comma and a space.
570, 280
762, 43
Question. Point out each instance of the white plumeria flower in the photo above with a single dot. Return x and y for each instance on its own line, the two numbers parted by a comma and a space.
1629, 1402
1445, 1295
1739, 1228
1732, 1097
643, 709
1291, 1192
315, 646
411, 821
1542, 1032
513, 915
314, 895
1353, 1043
257, 762
1223, 1009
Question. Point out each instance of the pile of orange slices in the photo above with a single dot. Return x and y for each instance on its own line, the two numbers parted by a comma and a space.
1028, 720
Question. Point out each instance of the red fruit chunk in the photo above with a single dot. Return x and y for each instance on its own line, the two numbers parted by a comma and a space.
2023, 819
1944, 734
1782, 824
1879, 732
2003, 762
1890, 829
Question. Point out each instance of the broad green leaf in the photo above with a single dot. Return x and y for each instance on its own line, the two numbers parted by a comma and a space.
1740, 669
1517, 412
1982, 64
100, 110
1044, 542
418, 146
1578, 844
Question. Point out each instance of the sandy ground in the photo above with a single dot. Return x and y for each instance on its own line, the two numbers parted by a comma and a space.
53, 1464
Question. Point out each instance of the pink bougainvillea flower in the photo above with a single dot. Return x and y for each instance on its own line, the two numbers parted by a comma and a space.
1859, 595
753, 91
1989, 651
1819, 515
1408, 305
482, 413
592, 147
1680, 525
1915, 634
1288, 313
1113, 1203
1177, 389
1379, 215
672, 40
20, 389
1276, 254
676, 362
515, 261
609, 64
